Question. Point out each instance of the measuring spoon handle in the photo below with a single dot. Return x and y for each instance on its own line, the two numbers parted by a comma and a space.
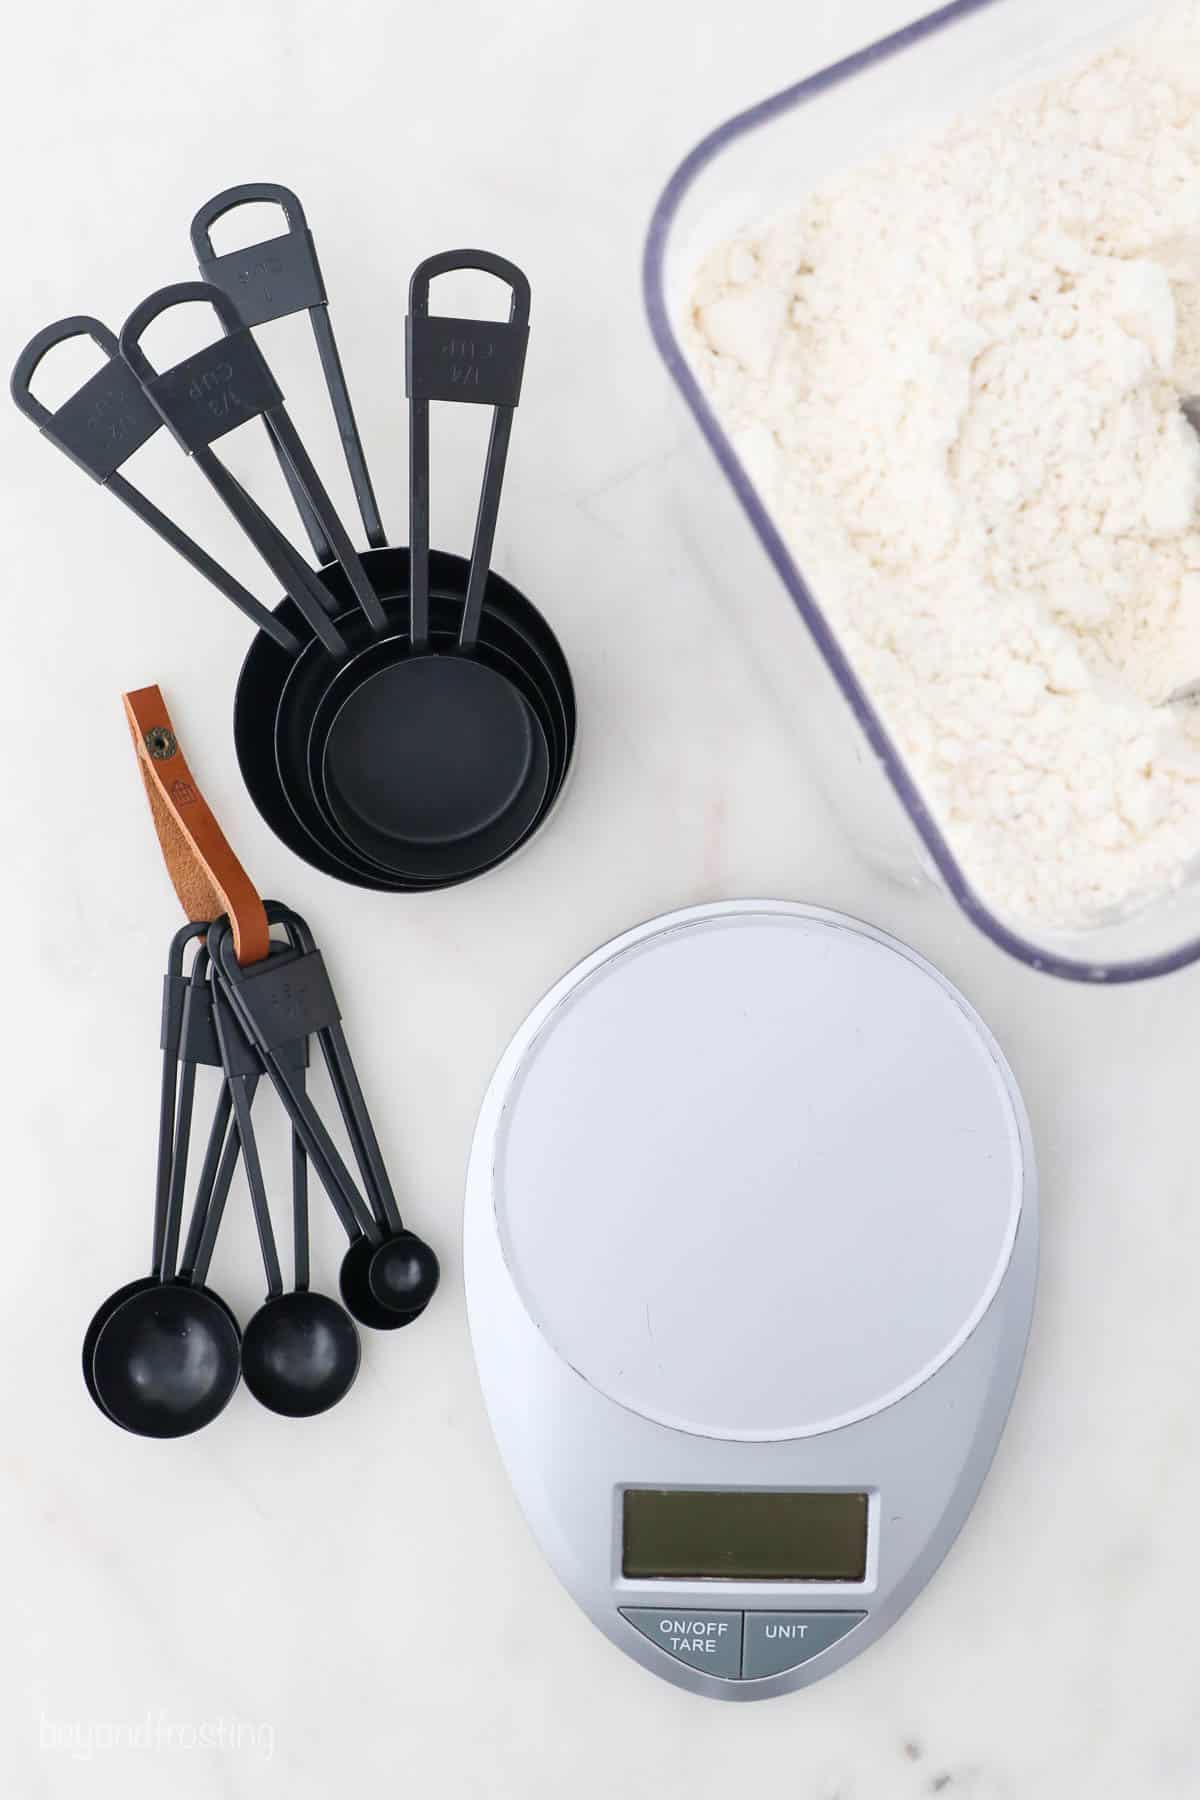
175, 988
241, 1066
355, 1215
343, 1077
189, 1049
211, 1171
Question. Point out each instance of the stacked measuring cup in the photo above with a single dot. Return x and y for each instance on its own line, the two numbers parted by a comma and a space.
405, 718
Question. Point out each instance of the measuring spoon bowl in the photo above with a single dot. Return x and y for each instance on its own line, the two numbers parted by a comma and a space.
403, 1273
166, 1361
300, 1354
99, 1320
354, 1285
105, 1311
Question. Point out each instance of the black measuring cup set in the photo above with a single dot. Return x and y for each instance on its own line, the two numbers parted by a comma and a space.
164, 1354
405, 718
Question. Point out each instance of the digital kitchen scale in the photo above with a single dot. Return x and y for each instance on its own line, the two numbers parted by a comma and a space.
751, 1247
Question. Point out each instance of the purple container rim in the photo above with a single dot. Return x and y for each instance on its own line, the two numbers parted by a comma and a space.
1035, 956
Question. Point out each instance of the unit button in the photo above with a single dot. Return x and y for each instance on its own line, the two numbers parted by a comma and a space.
711, 1641
776, 1641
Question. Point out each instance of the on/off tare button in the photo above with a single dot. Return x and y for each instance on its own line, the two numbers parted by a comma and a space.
711, 1641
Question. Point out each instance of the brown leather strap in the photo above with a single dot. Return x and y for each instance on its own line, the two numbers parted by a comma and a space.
205, 873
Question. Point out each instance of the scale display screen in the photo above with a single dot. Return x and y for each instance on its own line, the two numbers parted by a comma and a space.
675, 1534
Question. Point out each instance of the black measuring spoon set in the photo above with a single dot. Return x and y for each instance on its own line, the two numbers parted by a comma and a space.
163, 1355
405, 718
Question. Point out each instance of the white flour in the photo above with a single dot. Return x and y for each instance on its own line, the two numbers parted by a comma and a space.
955, 375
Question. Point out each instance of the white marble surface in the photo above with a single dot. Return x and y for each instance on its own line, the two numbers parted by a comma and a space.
354, 1606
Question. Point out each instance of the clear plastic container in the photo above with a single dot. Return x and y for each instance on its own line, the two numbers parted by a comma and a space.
757, 165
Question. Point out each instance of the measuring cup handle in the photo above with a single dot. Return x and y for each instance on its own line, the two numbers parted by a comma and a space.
207, 395
480, 361
39, 345
105, 420
247, 193
273, 279
487, 262
180, 293
100, 426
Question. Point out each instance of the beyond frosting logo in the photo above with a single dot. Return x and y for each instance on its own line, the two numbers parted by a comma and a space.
85, 1739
